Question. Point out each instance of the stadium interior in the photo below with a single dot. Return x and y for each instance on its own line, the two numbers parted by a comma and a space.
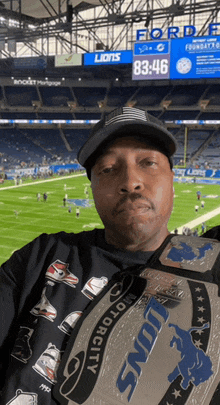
85, 93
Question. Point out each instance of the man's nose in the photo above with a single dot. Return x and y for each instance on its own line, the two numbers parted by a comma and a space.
130, 181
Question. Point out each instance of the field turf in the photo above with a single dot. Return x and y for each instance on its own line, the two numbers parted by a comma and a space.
23, 217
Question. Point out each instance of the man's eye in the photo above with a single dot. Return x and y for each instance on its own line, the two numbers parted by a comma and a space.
149, 163
107, 170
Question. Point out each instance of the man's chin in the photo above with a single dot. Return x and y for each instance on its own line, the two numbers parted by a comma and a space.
129, 234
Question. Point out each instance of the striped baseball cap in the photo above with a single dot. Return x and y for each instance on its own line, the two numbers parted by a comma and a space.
126, 121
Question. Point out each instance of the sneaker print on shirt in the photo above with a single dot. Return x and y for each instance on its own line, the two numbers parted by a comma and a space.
58, 271
94, 286
48, 363
44, 308
22, 350
24, 398
69, 322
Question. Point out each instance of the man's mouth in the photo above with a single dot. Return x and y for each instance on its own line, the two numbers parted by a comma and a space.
134, 208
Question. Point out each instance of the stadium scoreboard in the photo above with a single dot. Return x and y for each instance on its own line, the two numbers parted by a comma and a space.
182, 58
151, 60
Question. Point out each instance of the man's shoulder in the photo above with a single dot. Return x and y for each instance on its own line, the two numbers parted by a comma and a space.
213, 233
44, 242
72, 237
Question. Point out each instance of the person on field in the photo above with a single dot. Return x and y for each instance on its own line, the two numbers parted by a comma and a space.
77, 212
198, 193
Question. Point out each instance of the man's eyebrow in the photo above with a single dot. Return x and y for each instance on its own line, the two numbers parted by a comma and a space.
104, 154
108, 151
111, 152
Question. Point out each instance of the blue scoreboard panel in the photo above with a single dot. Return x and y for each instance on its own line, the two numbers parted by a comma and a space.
151, 60
107, 58
194, 58
182, 58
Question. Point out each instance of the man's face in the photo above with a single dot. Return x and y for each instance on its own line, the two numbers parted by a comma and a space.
132, 185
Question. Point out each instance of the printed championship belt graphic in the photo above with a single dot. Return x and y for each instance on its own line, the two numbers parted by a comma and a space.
151, 340
190, 253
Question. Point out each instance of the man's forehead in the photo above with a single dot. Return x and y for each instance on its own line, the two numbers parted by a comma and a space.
128, 142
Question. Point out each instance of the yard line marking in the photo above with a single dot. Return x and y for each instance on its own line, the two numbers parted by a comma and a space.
199, 220
42, 181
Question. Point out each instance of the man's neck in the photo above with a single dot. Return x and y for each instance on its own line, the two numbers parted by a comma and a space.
146, 245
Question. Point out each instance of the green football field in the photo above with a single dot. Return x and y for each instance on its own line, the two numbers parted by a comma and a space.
23, 217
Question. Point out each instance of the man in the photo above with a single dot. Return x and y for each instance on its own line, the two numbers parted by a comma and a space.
77, 212
70, 209
196, 208
86, 192
198, 193
203, 227
196, 232
45, 197
46, 286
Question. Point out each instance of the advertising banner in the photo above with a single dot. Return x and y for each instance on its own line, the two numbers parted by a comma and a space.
30, 63
210, 173
194, 58
68, 60
108, 58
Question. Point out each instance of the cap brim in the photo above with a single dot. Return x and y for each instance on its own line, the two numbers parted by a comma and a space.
159, 137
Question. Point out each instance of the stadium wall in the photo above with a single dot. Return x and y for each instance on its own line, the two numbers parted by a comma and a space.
203, 173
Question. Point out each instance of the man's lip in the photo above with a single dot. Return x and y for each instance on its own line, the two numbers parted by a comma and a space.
133, 207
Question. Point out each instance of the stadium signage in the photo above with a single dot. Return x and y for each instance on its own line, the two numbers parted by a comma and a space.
108, 58
30, 82
68, 60
30, 63
209, 173
196, 172
175, 32
182, 58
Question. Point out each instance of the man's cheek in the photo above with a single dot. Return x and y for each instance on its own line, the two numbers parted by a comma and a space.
94, 183
159, 194
100, 200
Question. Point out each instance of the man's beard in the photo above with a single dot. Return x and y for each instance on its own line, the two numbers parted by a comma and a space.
133, 232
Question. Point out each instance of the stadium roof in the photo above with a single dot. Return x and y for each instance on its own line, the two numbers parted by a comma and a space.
45, 9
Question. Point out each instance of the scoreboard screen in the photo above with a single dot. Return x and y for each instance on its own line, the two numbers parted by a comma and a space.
151, 60
182, 58
194, 58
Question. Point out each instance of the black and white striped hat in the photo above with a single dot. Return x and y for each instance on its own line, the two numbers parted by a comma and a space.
126, 121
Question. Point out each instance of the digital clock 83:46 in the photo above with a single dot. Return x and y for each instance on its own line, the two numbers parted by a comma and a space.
145, 67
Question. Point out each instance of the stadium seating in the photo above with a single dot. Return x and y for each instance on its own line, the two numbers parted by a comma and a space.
25, 144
